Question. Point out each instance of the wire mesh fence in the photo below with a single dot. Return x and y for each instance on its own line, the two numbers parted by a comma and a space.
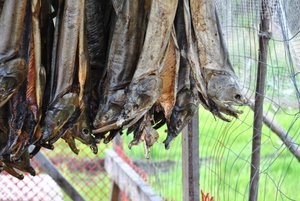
84, 171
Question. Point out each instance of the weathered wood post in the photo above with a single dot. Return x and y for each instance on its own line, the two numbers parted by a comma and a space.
264, 37
190, 160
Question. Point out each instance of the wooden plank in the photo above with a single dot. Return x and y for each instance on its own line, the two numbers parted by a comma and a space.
264, 37
190, 160
56, 175
127, 179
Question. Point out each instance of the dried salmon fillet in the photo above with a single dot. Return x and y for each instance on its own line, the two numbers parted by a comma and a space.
169, 77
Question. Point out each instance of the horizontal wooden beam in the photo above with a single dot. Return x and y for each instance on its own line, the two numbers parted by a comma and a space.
127, 179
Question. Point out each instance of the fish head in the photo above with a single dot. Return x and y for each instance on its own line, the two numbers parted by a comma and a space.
12, 74
150, 135
84, 135
108, 115
142, 95
185, 108
58, 114
226, 90
111, 110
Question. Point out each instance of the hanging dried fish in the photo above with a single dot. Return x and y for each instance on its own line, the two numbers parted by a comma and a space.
13, 66
65, 95
36, 77
23, 99
10, 170
26, 130
97, 42
84, 70
221, 83
187, 99
123, 56
145, 87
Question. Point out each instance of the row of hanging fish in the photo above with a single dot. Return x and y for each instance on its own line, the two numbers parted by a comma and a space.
90, 69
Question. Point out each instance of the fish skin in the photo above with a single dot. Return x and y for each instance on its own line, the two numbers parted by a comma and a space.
22, 164
81, 131
12, 22
69, 139
169, 77
10, 171
12, 75
97, 43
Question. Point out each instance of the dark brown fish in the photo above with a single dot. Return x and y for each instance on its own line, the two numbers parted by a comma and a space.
22, 164
80, 131
25, 117
187, 99
123, 55
13, 67
4, 130
66, 90
10, 170
97, 31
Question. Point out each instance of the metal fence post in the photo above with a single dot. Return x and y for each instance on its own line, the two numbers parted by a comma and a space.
190, 160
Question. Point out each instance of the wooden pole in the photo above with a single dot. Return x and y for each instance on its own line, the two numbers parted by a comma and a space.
264, 37
190, 160
115, 192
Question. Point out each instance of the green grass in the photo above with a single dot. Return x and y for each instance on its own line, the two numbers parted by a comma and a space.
226, 172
